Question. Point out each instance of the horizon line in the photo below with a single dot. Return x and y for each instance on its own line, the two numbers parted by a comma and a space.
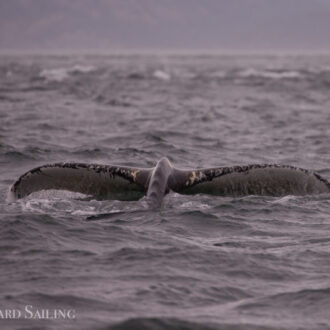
168, 52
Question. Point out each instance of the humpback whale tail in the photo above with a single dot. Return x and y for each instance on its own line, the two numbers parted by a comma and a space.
128, 183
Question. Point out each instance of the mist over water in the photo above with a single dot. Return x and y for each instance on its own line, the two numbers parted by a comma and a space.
200, 261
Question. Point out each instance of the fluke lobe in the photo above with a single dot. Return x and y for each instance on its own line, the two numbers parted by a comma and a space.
128, 183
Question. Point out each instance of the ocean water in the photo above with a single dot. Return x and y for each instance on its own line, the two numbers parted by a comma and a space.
199, 262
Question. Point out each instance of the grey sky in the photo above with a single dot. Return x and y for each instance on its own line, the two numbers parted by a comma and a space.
224, 25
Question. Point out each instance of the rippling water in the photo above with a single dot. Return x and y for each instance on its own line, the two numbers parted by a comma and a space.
201, 261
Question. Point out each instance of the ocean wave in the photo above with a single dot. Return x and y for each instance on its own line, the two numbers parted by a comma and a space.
60, 74
159, 324
268, 74
310, 301
220, 74
65, 300
136, 75
164, 323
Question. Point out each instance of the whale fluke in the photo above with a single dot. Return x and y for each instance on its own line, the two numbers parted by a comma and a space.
104, 181
127, 183
256, 179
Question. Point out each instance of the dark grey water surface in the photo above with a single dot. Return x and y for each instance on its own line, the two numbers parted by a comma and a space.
229, 263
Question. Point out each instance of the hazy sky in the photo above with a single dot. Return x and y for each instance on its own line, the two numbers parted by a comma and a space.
114, 25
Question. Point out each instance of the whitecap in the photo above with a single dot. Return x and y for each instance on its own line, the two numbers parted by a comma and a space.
251, 72
194, 206
54, 74
284, 200
60, 74
162, 75
81, 69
